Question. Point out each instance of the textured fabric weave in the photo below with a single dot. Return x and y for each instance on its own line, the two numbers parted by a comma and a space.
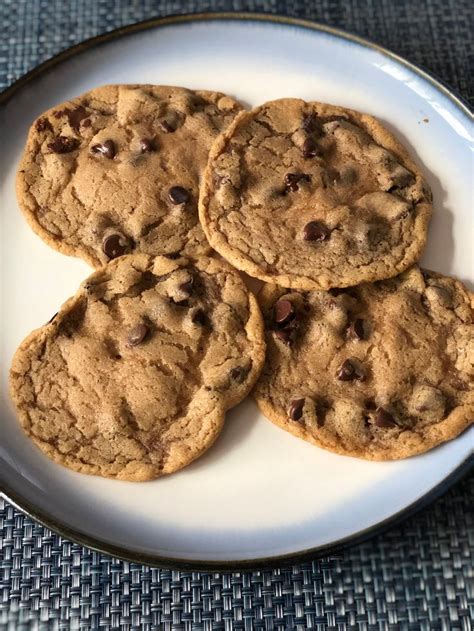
417, 576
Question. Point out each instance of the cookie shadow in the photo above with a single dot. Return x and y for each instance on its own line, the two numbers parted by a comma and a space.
238, 426
439, 251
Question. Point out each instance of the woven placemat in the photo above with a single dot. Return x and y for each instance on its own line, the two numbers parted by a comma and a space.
417, 576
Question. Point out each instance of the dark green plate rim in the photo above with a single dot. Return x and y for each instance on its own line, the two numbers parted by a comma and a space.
331, 550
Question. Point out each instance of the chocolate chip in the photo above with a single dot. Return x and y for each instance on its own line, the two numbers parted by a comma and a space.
61, 144
349, 370
383, 418
315, 231
284, 335
283, 312
43, 124
199, 317
355, 331
309, 149
293, 179
322, 408
295, 411
137, 334
86, 122
239, 373
172, 256
115, 245
178, 195
106, 149
75, 116
166, 127
311, 123
147, 145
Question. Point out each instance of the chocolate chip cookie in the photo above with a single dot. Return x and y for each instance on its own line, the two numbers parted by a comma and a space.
379, 371
117, 170
133, 376
313, 196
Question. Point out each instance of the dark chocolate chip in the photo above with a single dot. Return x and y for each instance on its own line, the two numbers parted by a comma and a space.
115, 245
137, 334
86, 122
166, 127
383, 418
348, 371
295, 411
311, 124
309, 149
106, 149
239, 373
355, 331
293, 179
284, 335
75, 116
178, 195
61, 144
199, 317
147, 145
322, 408
315, 231
283, 312
43, 124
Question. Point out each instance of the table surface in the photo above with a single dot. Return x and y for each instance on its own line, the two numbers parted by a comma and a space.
419, 575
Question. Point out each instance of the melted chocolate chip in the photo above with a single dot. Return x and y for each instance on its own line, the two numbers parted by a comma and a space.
106, 149
115, 245
284, 335
166, 127
295, 411
137, 334
147, 145
309, 149
311, 123
355, 331
293, 179
370, 404
349, 370
178, 195
75, 116
315, 231
383, 418
283, 312
61, 144
43, 124
239, 373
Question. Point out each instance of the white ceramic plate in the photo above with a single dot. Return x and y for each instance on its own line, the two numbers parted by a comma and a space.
259, 494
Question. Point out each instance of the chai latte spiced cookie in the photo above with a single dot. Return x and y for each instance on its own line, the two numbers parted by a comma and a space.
117, 170
313, 196
379, 371
133, 376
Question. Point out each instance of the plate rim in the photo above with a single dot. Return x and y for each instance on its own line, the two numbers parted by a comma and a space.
334, 548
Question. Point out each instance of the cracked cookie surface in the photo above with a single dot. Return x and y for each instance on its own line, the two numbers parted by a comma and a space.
117, 170
379, 371
313, 196
133, 376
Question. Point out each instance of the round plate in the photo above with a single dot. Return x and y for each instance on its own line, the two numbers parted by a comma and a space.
260, 495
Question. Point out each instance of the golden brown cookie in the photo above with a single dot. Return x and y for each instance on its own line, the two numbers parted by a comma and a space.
117, 170
379, 371
313, 196
133, 376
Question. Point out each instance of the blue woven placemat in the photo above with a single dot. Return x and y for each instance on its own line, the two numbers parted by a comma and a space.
417, 576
